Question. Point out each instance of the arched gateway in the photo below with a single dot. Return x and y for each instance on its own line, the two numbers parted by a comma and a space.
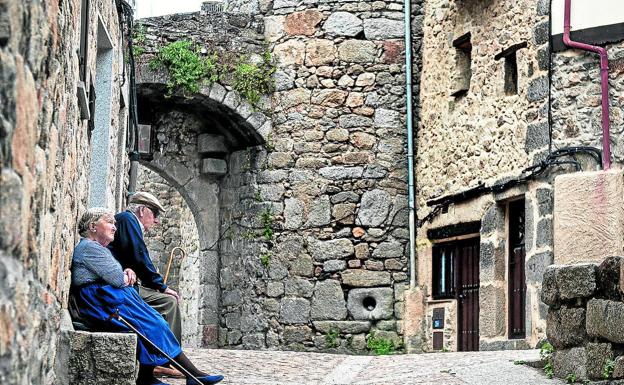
192, 139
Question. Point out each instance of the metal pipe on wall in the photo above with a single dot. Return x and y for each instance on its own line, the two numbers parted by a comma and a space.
604, 75
410, 141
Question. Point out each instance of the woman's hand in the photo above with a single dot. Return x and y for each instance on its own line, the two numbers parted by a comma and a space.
129, 277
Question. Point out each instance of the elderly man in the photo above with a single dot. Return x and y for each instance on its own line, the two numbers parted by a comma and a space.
130, 250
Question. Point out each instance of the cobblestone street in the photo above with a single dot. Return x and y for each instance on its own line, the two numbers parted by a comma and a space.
292, 368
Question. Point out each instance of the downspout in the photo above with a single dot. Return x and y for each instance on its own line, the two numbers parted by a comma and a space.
410, 142
604, 74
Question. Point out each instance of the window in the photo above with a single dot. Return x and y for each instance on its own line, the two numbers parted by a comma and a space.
463, 62
511, 68
443, 273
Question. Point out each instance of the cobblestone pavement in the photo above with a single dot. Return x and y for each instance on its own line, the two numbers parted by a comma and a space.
293, 368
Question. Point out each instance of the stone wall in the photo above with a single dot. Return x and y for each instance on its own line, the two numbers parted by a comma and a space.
576, 100
44, 162
177, 229
318, 217
313, 224
487, 134
586, 319
480, 136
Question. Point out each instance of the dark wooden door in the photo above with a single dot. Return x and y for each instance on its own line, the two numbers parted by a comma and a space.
517, 281
468, 294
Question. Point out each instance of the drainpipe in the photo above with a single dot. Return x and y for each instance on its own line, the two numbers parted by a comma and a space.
604, 74
410, 142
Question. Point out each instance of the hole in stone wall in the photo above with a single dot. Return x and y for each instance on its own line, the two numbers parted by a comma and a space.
369, 303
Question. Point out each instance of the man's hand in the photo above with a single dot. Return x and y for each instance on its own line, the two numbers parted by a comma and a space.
173, 293
129, 277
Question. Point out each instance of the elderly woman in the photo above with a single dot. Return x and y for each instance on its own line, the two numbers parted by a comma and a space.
101, 288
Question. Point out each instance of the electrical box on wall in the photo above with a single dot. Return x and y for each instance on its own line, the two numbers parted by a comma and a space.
438, 318
594, 22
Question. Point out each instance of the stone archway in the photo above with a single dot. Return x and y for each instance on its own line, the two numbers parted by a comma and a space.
176, 236
194, 138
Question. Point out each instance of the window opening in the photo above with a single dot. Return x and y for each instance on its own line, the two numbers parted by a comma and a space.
463, 62
511, 67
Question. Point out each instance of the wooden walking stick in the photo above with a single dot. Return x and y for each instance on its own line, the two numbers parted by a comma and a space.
118, 317
182, 254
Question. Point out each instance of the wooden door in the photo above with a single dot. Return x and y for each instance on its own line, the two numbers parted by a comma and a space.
468, 294
517, 281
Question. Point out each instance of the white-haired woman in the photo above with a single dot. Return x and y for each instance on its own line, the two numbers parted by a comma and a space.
101, 287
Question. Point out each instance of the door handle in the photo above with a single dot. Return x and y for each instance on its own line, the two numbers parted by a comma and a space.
461, 296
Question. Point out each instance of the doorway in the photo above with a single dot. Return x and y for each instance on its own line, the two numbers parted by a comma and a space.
517, 281
468, 295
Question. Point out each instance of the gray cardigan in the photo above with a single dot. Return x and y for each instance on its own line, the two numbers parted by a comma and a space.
93, 263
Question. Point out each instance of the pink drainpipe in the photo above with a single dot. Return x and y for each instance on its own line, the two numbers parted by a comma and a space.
604, 75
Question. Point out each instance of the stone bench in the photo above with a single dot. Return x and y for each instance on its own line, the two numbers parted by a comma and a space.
90, 358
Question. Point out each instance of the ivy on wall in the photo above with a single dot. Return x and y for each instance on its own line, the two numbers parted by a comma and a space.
189, 69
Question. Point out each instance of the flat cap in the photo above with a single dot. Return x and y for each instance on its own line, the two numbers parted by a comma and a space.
147, 199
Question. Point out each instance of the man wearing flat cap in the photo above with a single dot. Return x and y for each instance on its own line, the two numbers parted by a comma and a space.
130, 250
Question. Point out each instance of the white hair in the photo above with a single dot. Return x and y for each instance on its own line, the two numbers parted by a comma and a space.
92, 215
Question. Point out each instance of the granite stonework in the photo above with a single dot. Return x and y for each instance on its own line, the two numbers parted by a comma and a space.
45, 160
586, 320
482, 126
318, 210
177, 230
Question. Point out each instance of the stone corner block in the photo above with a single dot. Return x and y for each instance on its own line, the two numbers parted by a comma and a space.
97, 357
570, 361
605, 319
576, 281
589, 216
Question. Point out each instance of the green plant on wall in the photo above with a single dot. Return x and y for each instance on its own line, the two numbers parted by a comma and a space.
265, 259
138, 40
188, 69
380, 345
266, 218
252, 80
608, 369
546, 352
331, 338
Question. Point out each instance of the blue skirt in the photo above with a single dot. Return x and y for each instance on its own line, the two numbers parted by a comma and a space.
97, 302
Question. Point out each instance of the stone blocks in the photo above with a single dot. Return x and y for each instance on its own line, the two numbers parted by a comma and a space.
562, 283
371, 303
589, 209
584, 327
605, 319
565, 327
366, 278
328, 301
101, 358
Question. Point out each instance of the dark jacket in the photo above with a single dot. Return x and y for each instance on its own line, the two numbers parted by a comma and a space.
129, 249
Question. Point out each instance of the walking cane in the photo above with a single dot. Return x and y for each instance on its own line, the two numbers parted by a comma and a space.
118, 317
182, 256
